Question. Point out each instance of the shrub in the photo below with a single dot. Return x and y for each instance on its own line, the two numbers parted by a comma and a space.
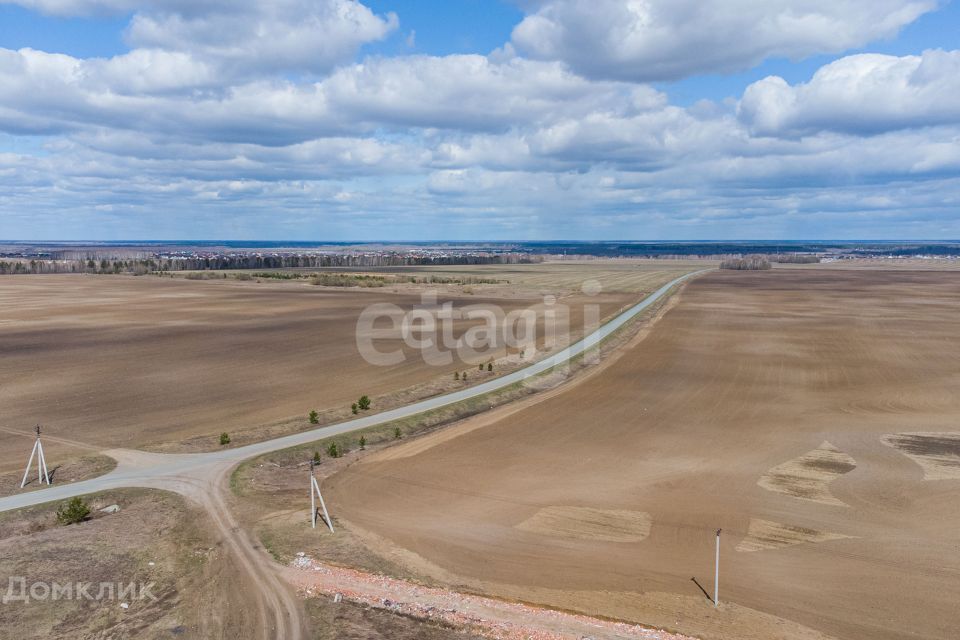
396, 433
73, 511
347, 280
363, 403
314, 417
794, 258
353, 408
363, 443
224, 438
333, 450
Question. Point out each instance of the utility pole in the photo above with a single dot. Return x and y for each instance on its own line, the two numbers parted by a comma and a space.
716, 573
42, 474
314, 496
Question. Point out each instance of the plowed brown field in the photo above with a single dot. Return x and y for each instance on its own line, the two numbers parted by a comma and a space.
760, 404
119, 361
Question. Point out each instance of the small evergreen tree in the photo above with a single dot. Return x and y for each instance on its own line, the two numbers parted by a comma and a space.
456, 375
363, 443
481, 366
333, 450
224, 438
316, 457
363, 403
464, 376
396, 433
489, 366
314, 417
353, 408
73, 511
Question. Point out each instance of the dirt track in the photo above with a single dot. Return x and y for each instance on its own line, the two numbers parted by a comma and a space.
743, 409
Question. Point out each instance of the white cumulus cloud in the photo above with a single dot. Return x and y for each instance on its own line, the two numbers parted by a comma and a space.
647, 40
243, 38
864, 93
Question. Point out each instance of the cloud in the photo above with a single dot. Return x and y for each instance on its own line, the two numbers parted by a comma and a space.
867, 93
243, 38
163, 93
184, 131
265, 37
651, 40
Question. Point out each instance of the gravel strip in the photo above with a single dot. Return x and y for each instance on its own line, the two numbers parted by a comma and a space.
483, 616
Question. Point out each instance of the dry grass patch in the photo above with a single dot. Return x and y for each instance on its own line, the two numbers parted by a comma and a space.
808, 476
155, 538
766, 534
350, 621
73, 470
938, 454
585, 523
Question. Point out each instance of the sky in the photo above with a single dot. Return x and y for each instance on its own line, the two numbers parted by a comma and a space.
338, 120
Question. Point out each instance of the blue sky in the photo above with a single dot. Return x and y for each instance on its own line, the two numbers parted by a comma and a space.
470, 119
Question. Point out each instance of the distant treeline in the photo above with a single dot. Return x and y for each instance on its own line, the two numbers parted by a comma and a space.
674, 249
255, 262
138, 267
747, 263
902, 251
294, 261
792, 258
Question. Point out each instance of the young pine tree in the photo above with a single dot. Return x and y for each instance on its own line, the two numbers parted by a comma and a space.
73, 511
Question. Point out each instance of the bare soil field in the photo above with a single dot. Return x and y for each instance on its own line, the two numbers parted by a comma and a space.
155, 539
812, 414
620, 275
874, 264
122, 361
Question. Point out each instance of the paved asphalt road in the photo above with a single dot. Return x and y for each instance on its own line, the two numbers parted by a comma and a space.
184, 472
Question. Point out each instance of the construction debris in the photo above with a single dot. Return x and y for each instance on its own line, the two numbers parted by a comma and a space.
483, 616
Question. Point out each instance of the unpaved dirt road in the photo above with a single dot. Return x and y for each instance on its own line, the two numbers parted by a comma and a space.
203, 477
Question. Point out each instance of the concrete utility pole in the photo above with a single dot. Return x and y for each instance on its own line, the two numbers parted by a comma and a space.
716, 573
314, 496
42, 474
